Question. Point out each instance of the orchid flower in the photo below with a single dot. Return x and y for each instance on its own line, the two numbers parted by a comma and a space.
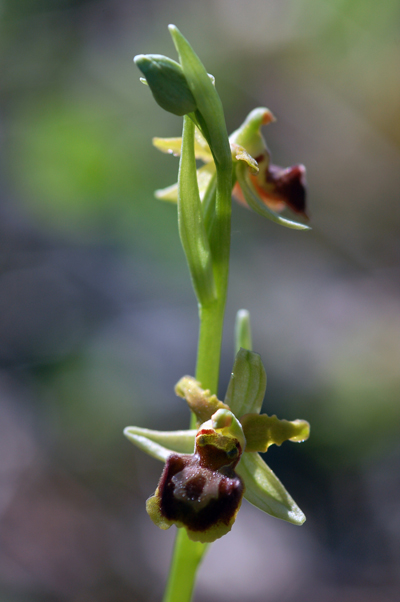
261, 185
209, 469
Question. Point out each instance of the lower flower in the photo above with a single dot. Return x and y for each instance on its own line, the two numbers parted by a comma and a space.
200, 492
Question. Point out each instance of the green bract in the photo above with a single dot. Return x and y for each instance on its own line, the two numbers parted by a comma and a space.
239, 417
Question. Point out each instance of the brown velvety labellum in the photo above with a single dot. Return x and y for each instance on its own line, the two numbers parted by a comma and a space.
196, 495
290, 185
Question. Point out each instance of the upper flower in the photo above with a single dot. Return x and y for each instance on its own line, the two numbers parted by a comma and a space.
202, 492
267, 188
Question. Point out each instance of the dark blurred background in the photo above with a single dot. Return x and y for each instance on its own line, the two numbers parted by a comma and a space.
98, 320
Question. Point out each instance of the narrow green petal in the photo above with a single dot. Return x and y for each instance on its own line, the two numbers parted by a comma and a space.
240, 154
201, 149
247, 385
262, 430
204, 177
202, 403
171, 146
264, 490
256, 203
160, 444
170, 193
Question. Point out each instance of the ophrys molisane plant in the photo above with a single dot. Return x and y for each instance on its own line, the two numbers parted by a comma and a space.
210, 467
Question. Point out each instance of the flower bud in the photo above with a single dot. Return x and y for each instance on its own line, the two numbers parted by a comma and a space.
167, 83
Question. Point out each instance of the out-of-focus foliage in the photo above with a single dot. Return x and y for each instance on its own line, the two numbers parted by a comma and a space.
98, 320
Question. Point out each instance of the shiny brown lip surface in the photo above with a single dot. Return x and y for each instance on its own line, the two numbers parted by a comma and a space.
220, 508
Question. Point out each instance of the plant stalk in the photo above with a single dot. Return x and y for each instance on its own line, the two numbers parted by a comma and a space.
187, 554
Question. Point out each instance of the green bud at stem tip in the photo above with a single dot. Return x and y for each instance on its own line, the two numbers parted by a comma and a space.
167, 83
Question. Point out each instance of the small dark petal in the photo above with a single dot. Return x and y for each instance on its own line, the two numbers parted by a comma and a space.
289, 185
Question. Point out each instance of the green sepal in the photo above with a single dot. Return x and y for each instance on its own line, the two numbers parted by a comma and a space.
243, 331
253, 200
262, 430
167, 83
247, 384
200, 401
265, 491
160, 444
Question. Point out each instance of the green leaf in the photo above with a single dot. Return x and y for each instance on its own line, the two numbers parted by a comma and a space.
264, 490
167, 83
247, 384
160, 444
253, 200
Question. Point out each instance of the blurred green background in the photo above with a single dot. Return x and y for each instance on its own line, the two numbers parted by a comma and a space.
98, 320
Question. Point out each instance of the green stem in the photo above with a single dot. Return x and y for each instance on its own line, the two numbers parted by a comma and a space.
185, 562
210, 117
188, 554
209, 347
